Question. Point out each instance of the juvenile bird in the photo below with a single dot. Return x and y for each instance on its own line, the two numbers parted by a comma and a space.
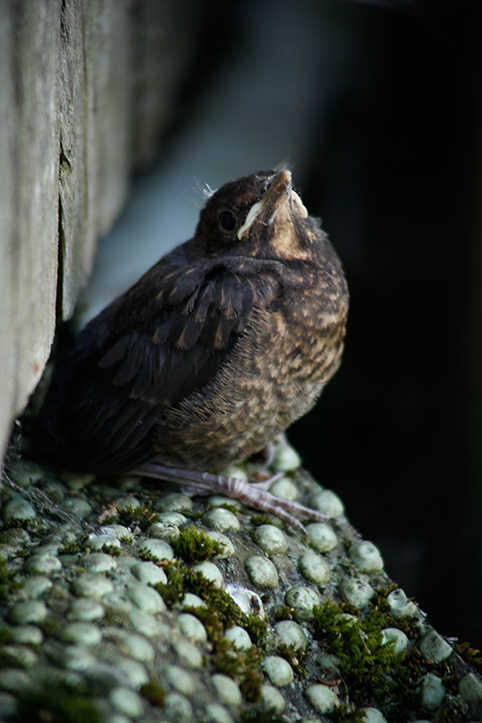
215, 351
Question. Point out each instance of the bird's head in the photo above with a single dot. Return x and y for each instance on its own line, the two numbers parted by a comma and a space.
259, 215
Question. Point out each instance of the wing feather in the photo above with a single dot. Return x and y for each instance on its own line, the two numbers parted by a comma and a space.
166, 337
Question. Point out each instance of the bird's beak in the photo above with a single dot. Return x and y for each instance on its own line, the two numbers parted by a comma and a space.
265, 210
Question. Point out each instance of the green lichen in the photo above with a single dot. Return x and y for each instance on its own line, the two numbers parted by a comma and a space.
194, 546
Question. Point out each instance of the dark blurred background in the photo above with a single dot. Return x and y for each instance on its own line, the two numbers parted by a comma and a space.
398, 185
377, 104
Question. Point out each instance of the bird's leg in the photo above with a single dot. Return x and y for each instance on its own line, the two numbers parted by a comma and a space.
253, 495
266, 456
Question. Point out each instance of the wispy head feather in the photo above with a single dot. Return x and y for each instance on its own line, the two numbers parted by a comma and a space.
201, 193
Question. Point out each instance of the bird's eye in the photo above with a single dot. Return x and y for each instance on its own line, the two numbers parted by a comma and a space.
227, 220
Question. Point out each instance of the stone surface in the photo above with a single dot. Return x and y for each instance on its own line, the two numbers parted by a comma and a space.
323, 698
434, 647
314, 568
291, 634
279, 671
151, 637
262, 572
433, 691
271, 539
366, 556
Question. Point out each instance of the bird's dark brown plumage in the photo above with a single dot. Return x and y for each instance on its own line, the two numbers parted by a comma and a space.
217, 349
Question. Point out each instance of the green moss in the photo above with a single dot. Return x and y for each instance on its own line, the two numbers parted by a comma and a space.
296, 658
256, 627
370, 669
111, 550
7, 583
466, 652
286, 613
372, 673
258, 520
142, 517
381, 611
257, 715
110, 520
194, 546
228, 506
244, 666
51, 626
5, 635
182, 579
220, 612
172, 591
343, 714
154, 693
70, 548
453, 710
57, 704
147, 556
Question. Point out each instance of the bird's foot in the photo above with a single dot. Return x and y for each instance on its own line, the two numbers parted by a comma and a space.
253, 495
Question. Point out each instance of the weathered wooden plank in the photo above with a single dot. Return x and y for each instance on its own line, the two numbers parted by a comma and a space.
86, 87
109, 69
29, 163
95, 121
7, 221
76, 235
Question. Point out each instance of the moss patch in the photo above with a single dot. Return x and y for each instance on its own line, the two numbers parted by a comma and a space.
372, 672
194, 546
296, 658
219, 613
142, 517
154, 693
57, 704
7, 583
